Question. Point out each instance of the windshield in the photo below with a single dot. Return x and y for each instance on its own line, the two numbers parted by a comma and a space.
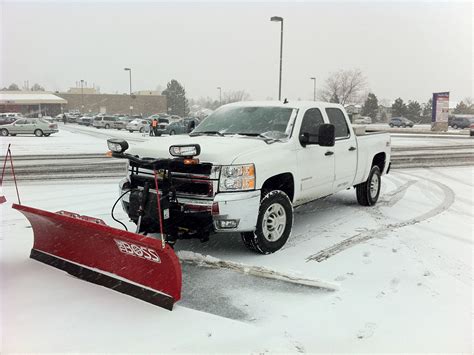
136, 121
246, 120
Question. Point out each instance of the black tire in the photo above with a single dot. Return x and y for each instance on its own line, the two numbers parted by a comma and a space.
107, 126
130, 131
404, 125
257, 240
172, 132
142, 129
366, 196
391, 125
455, 126
47, 134
4, 132
13, 135
38, 133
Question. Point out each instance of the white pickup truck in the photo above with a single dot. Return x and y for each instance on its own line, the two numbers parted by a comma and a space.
246, 166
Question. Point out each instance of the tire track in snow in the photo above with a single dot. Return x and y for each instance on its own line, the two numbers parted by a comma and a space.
362, 237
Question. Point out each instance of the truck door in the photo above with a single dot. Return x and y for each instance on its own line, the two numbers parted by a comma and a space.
315, 165
345, 150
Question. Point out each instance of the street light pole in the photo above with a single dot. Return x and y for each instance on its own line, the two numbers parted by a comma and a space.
220, 95
314, 90
279, 19
130, 76
82, 96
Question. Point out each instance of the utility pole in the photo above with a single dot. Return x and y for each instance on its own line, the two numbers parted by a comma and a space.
220, 95
314, 89
279, 19
82, 95
130, 81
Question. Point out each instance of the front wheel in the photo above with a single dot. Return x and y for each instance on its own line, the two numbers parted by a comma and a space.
38, 133
107, 126
4, 132
274, 222
172, 133
141, 130
368, 192
130, 131
455, 126
391, 125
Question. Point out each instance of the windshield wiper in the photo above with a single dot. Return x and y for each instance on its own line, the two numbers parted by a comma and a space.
206, 132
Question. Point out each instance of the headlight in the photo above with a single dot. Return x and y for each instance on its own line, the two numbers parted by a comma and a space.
185, 150
237, 177
117, 145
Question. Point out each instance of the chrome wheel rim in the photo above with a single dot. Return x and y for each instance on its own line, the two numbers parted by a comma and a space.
374, 185
274, 222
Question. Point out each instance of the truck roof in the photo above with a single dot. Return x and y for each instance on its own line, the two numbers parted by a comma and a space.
290, 104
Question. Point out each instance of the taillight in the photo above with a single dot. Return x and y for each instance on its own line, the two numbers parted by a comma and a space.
53, 126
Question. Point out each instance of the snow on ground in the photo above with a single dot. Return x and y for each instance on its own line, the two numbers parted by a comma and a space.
75, 139
404, 268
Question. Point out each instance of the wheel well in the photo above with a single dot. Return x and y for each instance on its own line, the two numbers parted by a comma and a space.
283, 182
379, 160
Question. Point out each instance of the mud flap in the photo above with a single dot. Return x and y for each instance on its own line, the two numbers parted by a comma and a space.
87, 248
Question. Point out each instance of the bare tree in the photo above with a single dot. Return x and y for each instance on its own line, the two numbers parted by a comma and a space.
348, 86
235, 96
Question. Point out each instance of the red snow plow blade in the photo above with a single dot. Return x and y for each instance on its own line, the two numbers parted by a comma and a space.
87, 248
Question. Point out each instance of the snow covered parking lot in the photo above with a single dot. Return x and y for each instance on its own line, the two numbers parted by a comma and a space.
404, 268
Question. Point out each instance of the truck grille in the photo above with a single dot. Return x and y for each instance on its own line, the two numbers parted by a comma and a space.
189, 185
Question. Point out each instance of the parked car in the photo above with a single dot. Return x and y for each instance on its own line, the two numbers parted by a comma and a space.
121, 123
8, 119
461, 121
400, 122
173, 127
37, 126
139, 125
192, 123
85, 120
363, 120
104, 121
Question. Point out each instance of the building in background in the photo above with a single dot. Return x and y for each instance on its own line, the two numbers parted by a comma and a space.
32, 103
93, 102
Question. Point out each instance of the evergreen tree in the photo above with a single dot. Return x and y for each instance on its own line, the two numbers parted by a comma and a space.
427, 108
176, 98
414, 110
399, 108
371, 106
37, 87
13, 87
461, 108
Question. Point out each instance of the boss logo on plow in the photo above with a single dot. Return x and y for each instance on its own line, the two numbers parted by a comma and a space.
138, 251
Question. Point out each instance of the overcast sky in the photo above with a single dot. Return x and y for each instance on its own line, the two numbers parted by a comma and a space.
405, 49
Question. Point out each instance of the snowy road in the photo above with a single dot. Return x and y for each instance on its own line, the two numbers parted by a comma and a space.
404, 268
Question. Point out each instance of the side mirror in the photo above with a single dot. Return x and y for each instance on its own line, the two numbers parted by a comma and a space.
304, 139
327, 135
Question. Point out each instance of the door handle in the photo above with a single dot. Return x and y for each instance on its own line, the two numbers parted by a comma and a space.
329, 153
351, 149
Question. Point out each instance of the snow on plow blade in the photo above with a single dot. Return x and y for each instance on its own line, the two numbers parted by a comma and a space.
87, 248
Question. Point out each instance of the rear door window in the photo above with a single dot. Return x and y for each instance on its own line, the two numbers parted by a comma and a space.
20, 122
336, 117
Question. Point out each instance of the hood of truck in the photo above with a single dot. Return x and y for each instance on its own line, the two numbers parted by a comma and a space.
214, 149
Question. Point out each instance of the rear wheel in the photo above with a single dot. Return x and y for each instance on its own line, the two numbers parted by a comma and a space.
274, 223
391, 125
47, 134
404, 125
141, 130
172, 132
107, 126
368, 192
455, 126
130, 131
38, 133
4, 132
